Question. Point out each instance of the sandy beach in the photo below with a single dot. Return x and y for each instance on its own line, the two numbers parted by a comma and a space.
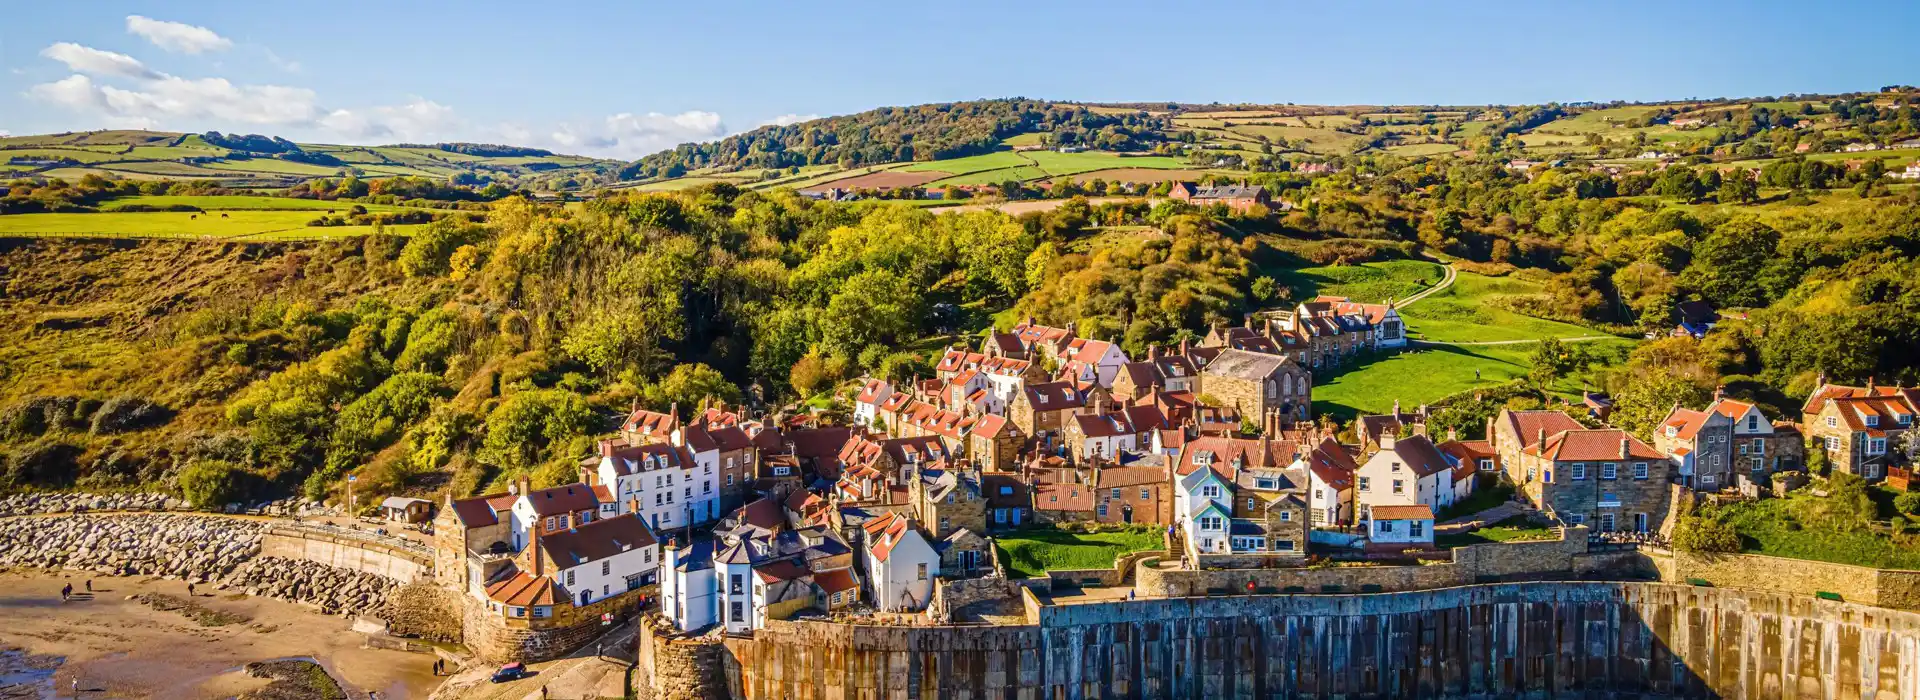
116, 647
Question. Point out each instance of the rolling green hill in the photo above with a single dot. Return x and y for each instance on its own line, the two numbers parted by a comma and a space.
264, 162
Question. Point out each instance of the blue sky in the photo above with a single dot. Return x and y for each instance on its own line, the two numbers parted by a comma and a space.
624, 79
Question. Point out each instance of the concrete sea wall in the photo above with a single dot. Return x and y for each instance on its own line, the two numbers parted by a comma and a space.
358, 553
1510, 640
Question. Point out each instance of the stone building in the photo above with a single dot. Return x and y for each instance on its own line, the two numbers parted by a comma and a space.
1270, 387
1606, 479
994, 444
1132, 495
1859, 428
947, 498
1042, 409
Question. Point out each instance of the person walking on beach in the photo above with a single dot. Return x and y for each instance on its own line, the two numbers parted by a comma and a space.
66, 592
189, 589
89, 585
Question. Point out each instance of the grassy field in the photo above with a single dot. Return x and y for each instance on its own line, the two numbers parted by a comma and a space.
1035, 551
1371, 283
239, 203
1423, 375
1027, 139
1056, 163
1514, 529
1769, 527
1422, 149
972, 164
147, 155
236, 224
1463, 313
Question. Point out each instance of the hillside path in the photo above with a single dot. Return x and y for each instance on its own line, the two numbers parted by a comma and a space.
1522, 341
1446, 280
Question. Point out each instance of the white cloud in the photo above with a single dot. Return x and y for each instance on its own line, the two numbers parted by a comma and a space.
183, 101
92, 61
629, 135
177, 37
789, 119
287, 65
4, 133
419, 120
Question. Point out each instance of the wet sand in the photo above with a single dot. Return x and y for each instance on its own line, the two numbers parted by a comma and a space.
120, 648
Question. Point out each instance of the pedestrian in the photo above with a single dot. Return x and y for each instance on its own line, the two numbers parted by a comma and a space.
189, 589
89, 585
66, 592
543, 692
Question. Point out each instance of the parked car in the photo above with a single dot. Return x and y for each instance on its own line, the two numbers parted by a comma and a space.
510, 672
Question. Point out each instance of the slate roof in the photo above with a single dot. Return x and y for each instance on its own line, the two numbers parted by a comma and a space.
1241, 364
1053, 396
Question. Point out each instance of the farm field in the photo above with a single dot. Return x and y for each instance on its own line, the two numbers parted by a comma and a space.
1035, 551
1149, 175
1422, 149
282, 224
886, 179
1055, 163
1464, 313
239, 203
1371, 283
971, 164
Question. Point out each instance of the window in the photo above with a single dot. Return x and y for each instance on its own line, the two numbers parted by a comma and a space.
1486, 463
1759, 447
1530, 473
1283, 545
1319, 494
1639, 522
1366, 484
1546, 476
553, 523
1116, 494
730, 464
1210, 491
656, 499
708, 468
1286, 516
1264, 484
1831, 422
921, 574
777, 471
1873, 421
729, 480
543, 611
1906, 419
1101, 509
1396, 466
1006, 490
517, 612
689, 492
1416, 528
1146, 493
569, 577
1576, 520
1578, 471
649, 556
1833, 443
999, 515
1876, 446
1753, 423
1211, 522
606, 568
1743, 448
1399, 486
734, 585
1384, 525
1640, 471
1606, 522
1609, 471
735, 617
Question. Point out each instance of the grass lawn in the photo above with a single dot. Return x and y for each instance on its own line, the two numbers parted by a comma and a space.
1371, 283
1422, 149
1769, 527
1424, 375
254, 225
1035, 551
1488, 494
241, 203
1515, 529
275, 166
1462, 313
1056, 163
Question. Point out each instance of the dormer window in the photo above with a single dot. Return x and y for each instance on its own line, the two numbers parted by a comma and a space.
1873, 421
1906, 419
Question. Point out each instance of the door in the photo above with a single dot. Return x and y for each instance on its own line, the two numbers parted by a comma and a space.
1639, 522
1126, 513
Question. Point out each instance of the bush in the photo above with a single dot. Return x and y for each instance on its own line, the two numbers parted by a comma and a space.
211, 483
128, 413
41, 463
1908, 503
1704, 534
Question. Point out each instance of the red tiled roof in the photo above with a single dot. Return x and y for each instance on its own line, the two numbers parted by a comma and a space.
1529, 424
1594, 445
1224, 449
1112, 477
1069, 497
523, 590
571, 498
835, 581
1413, 512
482, 511
1419, 454
782, 570
1686, 422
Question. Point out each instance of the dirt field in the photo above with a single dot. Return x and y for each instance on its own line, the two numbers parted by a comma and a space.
1136, 175
1024, 206
120, 648
884, 180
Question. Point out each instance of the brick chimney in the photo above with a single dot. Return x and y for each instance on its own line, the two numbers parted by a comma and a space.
1624, 450
1719, 392
539, 560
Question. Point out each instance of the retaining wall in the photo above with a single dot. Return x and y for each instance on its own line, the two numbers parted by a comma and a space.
1573, 639
348, 552
1885, 588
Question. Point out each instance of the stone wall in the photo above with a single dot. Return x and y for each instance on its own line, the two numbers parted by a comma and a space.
500, 639
1581, 639
359, 553
426, 610
676, 667
1879, 587
1510, 561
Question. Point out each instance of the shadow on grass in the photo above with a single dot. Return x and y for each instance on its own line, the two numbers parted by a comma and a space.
1462, 355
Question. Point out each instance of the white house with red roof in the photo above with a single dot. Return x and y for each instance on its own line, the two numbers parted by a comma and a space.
866, 405
901, 564
1098, 357
1402, 526
1330, 469
1405, 471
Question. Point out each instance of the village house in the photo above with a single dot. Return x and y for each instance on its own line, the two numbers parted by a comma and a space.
1132, 495
1859, 428
1272, 387
1092, 360
1042, 341
1041, 410
1236, 197
994, 443
1403, 471
1269, 512
1400, 527
1105, 432
901, 565
948, 498
1368, 429
1471, 460
559, 578
659, 480
1159, 372
547, 511
1604, 478
1710, 449
764, 566
1330, 469
1009, 500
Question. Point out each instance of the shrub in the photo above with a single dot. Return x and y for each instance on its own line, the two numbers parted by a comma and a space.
127, 413
1704, 534
1908, 503
43, 462
211, 483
